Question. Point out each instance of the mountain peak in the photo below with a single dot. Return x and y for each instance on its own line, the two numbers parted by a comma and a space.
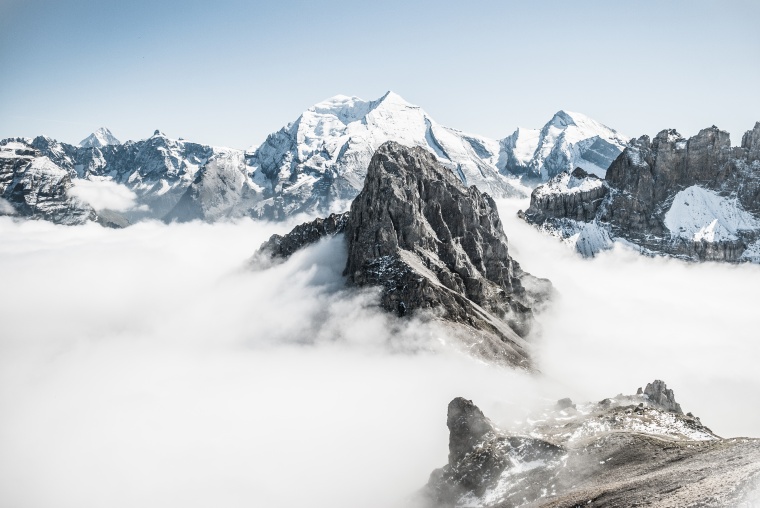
100, 138
564, 118
392, 97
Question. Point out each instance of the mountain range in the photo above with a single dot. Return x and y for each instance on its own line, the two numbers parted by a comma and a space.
314, 165
696, 199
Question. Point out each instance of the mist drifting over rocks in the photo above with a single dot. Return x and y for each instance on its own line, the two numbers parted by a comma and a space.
152, 358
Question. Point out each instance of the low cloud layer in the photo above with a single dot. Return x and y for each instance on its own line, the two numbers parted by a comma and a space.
622, 320
104, 195
148, 366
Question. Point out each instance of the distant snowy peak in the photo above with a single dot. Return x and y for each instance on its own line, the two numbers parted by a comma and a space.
318, 162
567, 141
100, 138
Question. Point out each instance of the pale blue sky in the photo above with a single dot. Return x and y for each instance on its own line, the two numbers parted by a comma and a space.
229, 72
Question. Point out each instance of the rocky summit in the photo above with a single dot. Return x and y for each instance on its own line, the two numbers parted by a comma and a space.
696, 199
630, 450
434, 248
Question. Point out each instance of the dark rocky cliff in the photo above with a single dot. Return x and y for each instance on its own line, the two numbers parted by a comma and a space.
432, 245
644, 181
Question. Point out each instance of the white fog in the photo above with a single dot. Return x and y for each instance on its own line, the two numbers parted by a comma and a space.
150, 366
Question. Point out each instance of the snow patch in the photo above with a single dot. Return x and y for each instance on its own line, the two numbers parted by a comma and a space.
566, 183
592, 239
701, 214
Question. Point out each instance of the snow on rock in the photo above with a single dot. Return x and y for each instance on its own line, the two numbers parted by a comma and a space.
569, 183
322, 157
100, 138
701, 214
752, 253
592, 239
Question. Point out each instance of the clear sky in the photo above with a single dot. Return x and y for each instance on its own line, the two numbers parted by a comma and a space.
229, 72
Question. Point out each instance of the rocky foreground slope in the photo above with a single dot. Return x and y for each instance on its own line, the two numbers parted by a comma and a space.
696, 198
636, 450
434, 248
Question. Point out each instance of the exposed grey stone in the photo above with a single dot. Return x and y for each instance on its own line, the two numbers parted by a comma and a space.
640, 187
467, 426
283, 247
615, 453
478, 454
432, 245
660, 395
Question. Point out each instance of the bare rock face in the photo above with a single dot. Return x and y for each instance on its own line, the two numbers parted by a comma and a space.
575, 195
659, 394
478, 455
467, 426
630, 450
696, 198
432, 245
282, 247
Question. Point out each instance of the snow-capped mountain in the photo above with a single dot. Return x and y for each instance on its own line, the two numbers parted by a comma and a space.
319, 161
569, 140
100, 138
696, 198
32, 185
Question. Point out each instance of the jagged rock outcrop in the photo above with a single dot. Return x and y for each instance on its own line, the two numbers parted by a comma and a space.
658, 393
697, 199
575, 195
625, 451
479, 453
282, 247
434, 246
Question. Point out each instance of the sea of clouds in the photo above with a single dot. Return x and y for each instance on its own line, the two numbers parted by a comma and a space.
154, 366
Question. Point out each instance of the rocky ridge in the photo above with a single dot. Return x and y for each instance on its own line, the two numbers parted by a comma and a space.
623, 451
432, 246
696, 199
